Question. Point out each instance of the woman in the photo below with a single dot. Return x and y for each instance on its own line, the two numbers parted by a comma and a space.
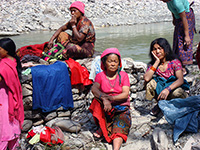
81, 43
110, 108
164, 76
11, 105
184, 22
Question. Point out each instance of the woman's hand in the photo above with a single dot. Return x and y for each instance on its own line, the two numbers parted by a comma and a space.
107, 104
50, 44
187, 41
157, 59
163, 95
73, 20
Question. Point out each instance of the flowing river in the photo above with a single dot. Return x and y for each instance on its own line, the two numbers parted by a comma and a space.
132, 41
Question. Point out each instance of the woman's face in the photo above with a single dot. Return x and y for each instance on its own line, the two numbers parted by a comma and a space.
112, 63
159, 51
3, 52
75, 12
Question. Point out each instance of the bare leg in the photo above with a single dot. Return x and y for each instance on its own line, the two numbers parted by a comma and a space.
117, 142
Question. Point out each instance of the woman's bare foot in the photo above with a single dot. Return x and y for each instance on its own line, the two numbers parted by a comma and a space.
98, 134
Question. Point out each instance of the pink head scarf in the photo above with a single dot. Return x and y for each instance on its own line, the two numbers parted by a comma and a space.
109, 51
79, 5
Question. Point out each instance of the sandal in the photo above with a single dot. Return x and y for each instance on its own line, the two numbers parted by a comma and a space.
155, 111
98, 135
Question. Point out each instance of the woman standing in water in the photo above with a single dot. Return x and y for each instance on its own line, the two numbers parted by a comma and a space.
184, 22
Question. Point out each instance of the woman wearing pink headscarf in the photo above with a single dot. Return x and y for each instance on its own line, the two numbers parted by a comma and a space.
81, 43
110, 108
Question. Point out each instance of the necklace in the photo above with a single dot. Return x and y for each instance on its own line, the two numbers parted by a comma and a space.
112, 86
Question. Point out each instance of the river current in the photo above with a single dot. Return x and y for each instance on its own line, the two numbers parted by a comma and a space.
132, 41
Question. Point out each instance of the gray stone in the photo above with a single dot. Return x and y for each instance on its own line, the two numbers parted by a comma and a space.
38, 122
28, 86
32, 114
141, 95
132, 79
75, 97
68, 125
27, 125
138, 121
25, 91
141, 131
50, 116
133, 88
75, 91
27, 102
9, 33
51, 122
160, 139
63, 113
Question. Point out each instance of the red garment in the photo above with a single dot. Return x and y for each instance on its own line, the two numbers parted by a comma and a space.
98, 113
79, 74
49, 135
35, 50
198, 55
9, 73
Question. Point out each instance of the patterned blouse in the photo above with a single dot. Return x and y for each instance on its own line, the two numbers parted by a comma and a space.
172, 67
86, 27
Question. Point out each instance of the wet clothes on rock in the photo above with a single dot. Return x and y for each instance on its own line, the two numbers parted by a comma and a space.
183, 114
51, 87
79, 75
35, 50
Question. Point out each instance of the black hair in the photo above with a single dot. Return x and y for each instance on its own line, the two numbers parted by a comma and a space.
103, 59
9, 45
162, 42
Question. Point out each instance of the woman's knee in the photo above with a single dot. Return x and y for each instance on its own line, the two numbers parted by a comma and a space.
178, 93
63, 37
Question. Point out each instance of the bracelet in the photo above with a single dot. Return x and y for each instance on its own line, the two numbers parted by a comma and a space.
153, 68
100, 96
169, 89
73, 26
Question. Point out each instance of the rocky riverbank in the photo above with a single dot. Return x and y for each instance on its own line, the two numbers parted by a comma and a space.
32, 15
77, 124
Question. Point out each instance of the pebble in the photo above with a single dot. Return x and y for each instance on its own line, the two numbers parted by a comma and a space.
25, 16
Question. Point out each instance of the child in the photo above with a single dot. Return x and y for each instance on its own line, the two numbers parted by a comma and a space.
11, 104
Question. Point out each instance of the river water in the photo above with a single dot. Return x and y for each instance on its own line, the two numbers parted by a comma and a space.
132, 41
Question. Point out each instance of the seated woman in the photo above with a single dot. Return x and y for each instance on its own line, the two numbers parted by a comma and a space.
164, 75
81, 43
110, 108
